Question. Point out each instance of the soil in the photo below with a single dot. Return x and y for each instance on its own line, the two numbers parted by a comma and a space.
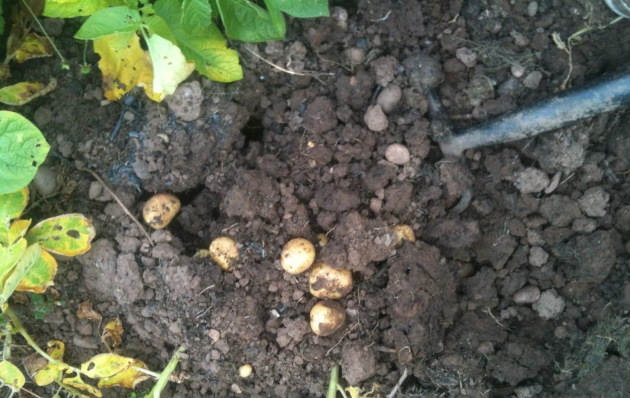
520, 249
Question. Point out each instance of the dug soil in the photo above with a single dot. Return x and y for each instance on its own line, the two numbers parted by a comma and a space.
521, 251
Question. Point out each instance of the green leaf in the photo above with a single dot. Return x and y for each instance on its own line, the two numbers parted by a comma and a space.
246, 21
196, 13
80, 8
276, 18
301, 8
24, 264
11, 207
158, 26
9, 256
169, 65
1, 19
18, 230
13, 204
68, 235
11, 376
109, 21
23, 148
207, 47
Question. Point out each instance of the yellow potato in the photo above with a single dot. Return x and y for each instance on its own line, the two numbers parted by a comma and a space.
245, 370
326, 317
322, 239
297, 256
224, 252
403, 232
326, 282
160, 209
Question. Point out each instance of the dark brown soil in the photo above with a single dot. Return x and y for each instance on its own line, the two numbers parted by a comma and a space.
494, 299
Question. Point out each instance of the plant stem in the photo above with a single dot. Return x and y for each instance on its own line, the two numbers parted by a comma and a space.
334, 381
6, 351
19, 328
64, 63
166, 374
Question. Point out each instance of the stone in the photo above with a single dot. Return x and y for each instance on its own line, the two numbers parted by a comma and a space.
527, 295
550, 305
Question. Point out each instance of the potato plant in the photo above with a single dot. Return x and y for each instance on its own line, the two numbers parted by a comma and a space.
27, 264
180, 36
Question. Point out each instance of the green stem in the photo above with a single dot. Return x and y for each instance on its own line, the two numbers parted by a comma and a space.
6, 351
19, 328
64, 63
166, 374
334, 381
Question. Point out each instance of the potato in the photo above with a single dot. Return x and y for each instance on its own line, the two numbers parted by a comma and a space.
160, 209
326, 317
245, 370
403, 232
326, 282
224, 252
297, 256
322, 239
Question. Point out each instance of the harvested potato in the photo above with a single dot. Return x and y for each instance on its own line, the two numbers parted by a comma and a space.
224, 252
326, 317
245, 370
160, 209
297, 256
326, 282
403, 232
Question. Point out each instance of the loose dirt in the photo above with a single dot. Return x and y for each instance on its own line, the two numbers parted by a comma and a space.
521, 249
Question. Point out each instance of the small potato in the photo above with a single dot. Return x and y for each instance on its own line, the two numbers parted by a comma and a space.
322, 239
297, 256
224, 252
326, 282
245, 370
403, 232
160, 209
326, 317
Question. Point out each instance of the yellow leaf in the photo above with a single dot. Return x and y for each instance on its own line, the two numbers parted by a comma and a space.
86, 312
68, 234
33, 46
52, 371
122, 63
21, 93
40, 276
128, 378
169, 65
105, 365
76, 382
113, 330
11, 376
56, 349
18, 230
5, 72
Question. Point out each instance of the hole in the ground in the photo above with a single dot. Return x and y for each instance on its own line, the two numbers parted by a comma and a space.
253, 131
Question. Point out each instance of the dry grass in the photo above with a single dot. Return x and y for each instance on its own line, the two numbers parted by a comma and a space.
612, 334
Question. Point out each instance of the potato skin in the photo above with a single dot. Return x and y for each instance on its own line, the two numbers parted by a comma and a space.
326, 282
326, 317
403, 232
224, 252
160, 210
297, 256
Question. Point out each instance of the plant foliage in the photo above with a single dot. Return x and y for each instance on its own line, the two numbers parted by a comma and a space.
180, 36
